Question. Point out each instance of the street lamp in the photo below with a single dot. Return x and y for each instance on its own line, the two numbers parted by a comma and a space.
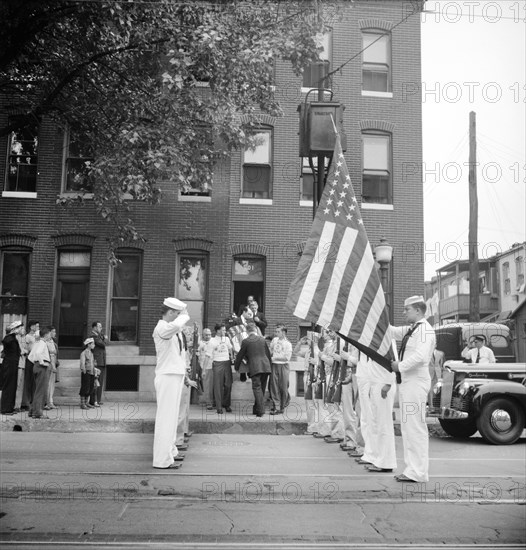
383, 254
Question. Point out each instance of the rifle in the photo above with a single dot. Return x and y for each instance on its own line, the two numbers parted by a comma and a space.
196, 373
310, 380
337, 398
333, 378
319, 382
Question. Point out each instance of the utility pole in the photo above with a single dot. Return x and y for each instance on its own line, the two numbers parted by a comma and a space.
474, 298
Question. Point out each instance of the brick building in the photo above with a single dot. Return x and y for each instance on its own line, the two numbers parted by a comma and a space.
244, 236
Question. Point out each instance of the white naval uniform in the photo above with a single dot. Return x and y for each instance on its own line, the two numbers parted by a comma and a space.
382, 427
169, 381
363, 378
348, 426
413, 391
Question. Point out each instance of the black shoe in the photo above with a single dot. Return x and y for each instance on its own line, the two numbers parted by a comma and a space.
219, 411
24, 408
259, 415
228, 410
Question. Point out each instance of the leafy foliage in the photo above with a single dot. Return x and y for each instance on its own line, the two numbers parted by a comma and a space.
129, 76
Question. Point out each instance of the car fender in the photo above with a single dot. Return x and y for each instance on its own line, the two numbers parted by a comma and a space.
482, 393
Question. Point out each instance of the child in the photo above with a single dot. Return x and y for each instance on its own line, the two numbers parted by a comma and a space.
96, 384
87, 376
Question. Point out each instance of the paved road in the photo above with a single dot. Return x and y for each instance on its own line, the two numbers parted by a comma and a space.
239, 489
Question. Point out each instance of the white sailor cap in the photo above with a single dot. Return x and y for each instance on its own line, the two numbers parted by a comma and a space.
414, 300
174, 303
14, 325
89, 341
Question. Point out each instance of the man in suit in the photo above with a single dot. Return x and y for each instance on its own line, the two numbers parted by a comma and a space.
258, 317
255, 350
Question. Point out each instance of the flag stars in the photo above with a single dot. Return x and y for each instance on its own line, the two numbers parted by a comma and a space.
343, 194
340, 155
338, 164
347, 177
360, 221
329, 201
326, 211
340, 203
332, 191
336, 174
349, 217
345, 185
337, 213
352, 207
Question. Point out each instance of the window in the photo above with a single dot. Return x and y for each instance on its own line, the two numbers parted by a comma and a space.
22, 158
200, 180
376, 60
77, 154
14, 284
125, 297
506, 277
519, 270
307, 178
192, 284
257, 167
376, 174
315, 71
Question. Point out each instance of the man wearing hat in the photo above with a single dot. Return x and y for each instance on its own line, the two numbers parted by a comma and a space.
418, 344
9, 366
169, 379
478, 352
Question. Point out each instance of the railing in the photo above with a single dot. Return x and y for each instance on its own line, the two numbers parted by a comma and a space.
459, 304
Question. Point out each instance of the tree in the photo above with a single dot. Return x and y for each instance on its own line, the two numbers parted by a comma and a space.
128, 77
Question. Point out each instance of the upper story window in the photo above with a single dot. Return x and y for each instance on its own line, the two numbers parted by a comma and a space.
506, 277
77, 154
125, 297
376, 61
200, 182
21, 174
519, 270
313, 72
257, 167
376, 171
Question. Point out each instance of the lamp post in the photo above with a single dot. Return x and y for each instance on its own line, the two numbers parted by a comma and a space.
384, 255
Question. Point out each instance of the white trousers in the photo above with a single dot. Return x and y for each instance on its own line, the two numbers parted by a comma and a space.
364, 388
415, 436
183, 416
168, 388
382, 427
351, 427
310, 407
327, 420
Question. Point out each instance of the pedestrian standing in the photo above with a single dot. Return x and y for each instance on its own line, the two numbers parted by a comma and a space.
205, 361
281, 352
33, 334
169, 380
99, 352
21, 369
87, 374
352, 440
221, 353
41, 362
307, 347
53, 354
418, 343
9, 367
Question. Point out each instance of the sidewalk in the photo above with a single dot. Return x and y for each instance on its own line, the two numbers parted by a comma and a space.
139, 417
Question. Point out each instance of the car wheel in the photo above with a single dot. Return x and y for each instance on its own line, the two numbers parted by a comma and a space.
461, 429
501, 421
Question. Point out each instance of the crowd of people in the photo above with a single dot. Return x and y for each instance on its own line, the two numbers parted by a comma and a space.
30, 369
349, 398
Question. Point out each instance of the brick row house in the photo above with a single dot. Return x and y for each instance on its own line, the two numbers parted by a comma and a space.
243, 236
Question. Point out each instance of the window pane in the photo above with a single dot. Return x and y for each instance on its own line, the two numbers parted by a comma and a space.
376, 152
72, 258
375, 188
261, 153
376, 80
247, 269
377, 52
196, 310
256, 178
307, 187
126, 277
192, 279
15, 273
124, 320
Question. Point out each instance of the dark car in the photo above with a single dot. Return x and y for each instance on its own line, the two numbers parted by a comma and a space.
490, 398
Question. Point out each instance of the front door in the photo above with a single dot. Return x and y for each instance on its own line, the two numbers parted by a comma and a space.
73, 314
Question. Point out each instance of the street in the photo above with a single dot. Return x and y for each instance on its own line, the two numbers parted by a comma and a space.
253, 489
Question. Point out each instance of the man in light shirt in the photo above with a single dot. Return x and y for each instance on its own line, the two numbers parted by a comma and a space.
281, 351
170, 373
205, 361
418, 344
41, 360
479, 353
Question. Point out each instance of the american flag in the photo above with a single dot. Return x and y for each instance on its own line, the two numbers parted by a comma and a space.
336, 283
